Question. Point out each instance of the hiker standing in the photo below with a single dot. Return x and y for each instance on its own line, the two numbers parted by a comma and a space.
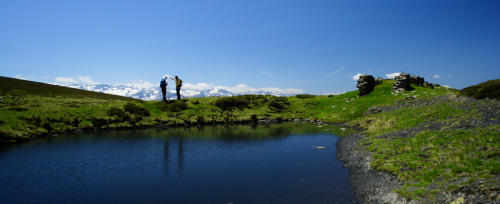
178, 84
163, 86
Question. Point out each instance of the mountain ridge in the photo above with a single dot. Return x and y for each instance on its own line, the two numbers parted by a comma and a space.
147, 91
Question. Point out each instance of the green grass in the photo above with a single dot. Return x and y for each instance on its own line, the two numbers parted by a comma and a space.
405, 118
435, 161
347, 106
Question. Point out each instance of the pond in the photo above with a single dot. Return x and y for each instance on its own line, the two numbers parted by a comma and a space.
276, 163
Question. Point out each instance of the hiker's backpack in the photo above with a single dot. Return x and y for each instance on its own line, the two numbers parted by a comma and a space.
163, 82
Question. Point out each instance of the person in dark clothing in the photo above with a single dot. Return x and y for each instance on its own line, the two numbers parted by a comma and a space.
163, 86
178, 84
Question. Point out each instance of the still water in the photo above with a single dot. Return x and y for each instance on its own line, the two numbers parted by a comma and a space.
278, 163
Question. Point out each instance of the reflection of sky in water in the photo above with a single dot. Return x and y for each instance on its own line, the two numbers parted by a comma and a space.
240, 164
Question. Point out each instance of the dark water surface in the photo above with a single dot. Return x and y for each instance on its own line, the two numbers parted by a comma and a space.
277, 163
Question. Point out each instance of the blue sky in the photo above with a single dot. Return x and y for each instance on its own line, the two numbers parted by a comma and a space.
316, 46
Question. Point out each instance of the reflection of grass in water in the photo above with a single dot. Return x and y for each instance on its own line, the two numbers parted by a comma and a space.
220, 132
238, 132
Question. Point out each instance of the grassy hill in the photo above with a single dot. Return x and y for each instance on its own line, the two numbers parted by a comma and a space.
23, 87
487, 89
433, 140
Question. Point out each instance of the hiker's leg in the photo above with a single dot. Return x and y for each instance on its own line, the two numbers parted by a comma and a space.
164, 93
178, 93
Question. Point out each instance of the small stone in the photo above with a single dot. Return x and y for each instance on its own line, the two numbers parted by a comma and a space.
460, 200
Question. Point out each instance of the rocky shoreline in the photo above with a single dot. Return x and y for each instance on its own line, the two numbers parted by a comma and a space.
371, 186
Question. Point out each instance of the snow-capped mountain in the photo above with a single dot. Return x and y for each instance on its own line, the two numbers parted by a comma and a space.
148, 91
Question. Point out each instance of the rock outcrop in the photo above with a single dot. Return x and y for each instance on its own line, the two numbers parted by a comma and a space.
366, 84
402, 83
417, 80
429, 85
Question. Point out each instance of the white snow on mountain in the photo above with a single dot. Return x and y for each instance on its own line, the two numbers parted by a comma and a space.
149, 91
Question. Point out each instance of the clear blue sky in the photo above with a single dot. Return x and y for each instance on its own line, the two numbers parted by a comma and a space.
316, 46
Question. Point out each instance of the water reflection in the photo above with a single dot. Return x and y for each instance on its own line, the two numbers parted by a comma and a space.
180, 157
274, 163
166, 158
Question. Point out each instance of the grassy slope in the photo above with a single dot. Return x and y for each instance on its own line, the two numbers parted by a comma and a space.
26, 111
10, 86
338, 109
33, 109
487, 89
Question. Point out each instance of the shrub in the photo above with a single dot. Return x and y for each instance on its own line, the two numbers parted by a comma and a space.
75, 122
242, 101
127, 117
488, 89
229, 103
195, 102
172, 106
278, 104
175, 106
46, 126
18, 108
254, 118
33, 119
115, 112
136, 109
200, 119
253, 99
312, 103
98, 122
305, 96
86, 125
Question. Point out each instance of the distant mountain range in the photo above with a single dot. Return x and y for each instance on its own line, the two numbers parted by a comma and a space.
147, 91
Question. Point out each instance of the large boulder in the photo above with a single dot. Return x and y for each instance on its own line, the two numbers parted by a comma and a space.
366, 84
402, 83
